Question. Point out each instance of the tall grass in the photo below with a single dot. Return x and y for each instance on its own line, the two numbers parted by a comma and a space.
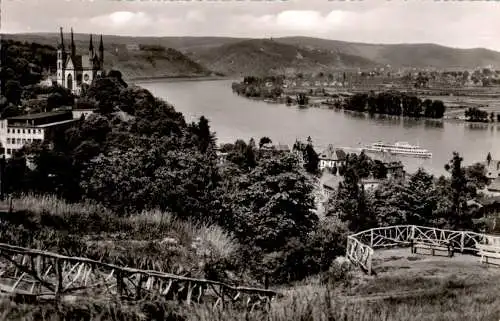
150, 239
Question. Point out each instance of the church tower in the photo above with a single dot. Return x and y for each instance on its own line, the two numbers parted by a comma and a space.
61, 60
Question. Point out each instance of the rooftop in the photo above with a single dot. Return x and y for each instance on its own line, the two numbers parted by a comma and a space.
38, 115
57, 123
495, 185
332, 153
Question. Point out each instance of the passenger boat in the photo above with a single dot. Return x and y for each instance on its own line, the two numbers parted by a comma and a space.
399, 148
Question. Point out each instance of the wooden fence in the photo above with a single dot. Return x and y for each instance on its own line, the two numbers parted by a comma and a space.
360, 246
39, 273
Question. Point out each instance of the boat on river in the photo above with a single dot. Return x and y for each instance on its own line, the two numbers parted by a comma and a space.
399, 148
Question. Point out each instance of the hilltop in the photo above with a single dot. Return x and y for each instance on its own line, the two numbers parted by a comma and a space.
400, 55
262, 56
152, 59
202, 56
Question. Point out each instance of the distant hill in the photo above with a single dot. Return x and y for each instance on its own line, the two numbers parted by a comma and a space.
399, 55
148, 62
199, 56
263, 56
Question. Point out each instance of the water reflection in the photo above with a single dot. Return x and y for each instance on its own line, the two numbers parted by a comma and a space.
477, 126
432, 123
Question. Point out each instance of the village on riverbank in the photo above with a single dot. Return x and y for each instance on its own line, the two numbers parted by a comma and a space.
386, 168
468, 95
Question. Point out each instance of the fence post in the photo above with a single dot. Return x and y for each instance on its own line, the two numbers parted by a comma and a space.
59, 278
369, 263
347, 249
119, 284
462, 242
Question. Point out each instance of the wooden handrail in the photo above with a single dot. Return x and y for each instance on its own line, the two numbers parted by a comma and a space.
128, 270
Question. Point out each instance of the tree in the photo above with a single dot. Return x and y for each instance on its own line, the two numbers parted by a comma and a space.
379, 171
458, 216
13, 91
106, 92
351, 203
272, 204
264, 141
488, 158
311, 158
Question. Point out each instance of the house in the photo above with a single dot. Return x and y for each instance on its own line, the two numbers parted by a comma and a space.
494, 185
492, 169
485, 206
85, 112
280, 148
395, 168
332, 157
15, 132
369, 184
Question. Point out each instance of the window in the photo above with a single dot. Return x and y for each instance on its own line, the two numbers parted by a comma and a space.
18, 131
29, 131
24, 141
8, 130
9, 151
24, 131
19, 140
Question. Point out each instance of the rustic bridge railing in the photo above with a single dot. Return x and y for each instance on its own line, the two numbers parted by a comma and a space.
360, 246
39, 273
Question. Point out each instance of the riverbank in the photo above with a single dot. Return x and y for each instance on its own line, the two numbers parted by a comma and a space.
176, 78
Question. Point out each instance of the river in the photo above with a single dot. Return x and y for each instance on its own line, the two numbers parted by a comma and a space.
233, 117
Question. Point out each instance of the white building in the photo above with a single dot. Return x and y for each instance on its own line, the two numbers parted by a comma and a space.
15, 132
332, 157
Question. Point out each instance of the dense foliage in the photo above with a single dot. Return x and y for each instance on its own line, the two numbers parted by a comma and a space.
137, 153
396, 104
421, 200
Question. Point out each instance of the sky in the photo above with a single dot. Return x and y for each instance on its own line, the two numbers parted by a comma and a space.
461, 24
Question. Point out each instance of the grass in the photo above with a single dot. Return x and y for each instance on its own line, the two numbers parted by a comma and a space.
147, 240
427, 288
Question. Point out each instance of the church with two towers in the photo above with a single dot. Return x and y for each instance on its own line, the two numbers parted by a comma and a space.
75, 72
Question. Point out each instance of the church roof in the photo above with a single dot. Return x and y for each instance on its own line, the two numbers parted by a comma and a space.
76, 62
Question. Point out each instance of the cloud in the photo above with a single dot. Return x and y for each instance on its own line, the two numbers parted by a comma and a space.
125, 20
460, 24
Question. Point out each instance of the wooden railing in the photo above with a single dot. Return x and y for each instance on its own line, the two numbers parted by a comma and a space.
360, 246
39, 273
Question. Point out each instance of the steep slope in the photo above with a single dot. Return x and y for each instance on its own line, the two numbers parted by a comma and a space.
150, 59
415, 55
262, 56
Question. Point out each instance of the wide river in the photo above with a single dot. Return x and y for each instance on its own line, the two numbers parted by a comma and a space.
233, 117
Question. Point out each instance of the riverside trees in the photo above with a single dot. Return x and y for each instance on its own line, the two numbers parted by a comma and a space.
396, 104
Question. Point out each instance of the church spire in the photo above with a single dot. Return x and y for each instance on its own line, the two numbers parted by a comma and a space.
73, 48
91, 46
62, 38
101, 52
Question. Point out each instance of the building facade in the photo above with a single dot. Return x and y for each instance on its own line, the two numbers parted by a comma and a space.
74, 72
332, 157
15, 132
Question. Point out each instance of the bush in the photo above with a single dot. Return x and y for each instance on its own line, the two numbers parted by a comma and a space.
340, 273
